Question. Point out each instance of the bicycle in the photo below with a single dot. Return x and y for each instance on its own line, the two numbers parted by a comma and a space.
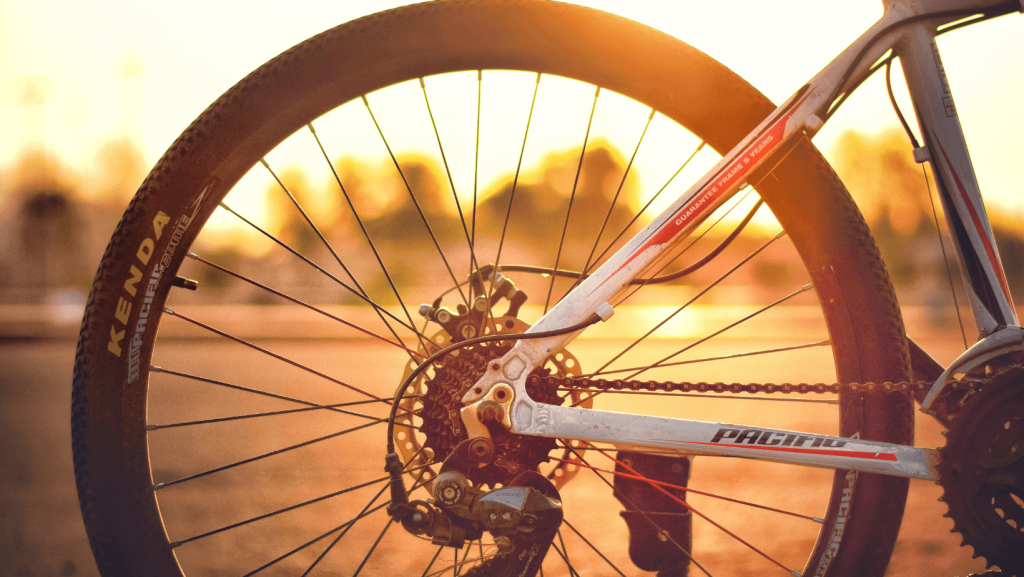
477, 413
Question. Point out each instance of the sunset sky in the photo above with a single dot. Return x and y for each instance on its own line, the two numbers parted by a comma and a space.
77, 74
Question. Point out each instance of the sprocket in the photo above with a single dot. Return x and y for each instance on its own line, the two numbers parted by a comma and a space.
434, 401
981, 471
442, 423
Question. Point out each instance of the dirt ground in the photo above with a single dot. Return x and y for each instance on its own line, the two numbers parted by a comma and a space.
41, 530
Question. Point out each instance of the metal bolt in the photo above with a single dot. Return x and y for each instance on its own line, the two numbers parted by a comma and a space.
481, 450
490, 412
449, 493
480, 304
443, 316
505, 516
493, 517
504, 543
417, 518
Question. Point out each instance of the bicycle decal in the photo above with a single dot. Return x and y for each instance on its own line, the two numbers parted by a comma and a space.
723, 181
838, 526
124, 306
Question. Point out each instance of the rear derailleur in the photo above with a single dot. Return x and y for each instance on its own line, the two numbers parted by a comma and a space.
523, 517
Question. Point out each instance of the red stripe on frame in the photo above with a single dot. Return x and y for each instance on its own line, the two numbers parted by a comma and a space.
977, 225
854, 454
761, 147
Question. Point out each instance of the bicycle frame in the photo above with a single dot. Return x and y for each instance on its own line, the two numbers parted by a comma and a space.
908, 28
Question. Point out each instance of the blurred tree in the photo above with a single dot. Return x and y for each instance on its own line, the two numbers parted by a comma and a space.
883, 178
541, 205
289, 225
120, 169
45, 233
891, 192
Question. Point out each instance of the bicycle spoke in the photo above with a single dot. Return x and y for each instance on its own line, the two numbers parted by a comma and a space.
656, 279
726, 357
349, 523
259, 392
611, 207
665, 492
432, 561
476, 156
416, 203
271, 414
458, 564
630, 503
515, 182
474, 265
451, 183
591, 545
380, 310
366, 512
572, 196
694, 491
767, 307
379, 537
266, 455
330, 248
691, 301
289, 508
564, 556
275, 355
366, 234
276, 292
636, 217
312, 226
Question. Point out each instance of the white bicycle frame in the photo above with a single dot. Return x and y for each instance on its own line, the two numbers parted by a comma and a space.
908, 28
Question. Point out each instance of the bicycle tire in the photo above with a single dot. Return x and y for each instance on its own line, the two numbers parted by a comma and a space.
111, 454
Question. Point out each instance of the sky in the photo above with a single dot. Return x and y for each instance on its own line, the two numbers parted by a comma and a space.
74, 75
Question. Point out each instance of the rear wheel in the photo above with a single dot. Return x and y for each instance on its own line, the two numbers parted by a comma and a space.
247, 437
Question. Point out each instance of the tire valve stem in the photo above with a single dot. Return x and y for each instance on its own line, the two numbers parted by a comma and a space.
185, 283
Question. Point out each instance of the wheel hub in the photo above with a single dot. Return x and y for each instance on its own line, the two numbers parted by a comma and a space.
436, 399
442, 423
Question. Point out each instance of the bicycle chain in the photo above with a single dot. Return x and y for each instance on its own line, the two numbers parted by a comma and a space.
601, 385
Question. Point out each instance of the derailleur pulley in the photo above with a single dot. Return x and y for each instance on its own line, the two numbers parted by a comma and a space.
523, 517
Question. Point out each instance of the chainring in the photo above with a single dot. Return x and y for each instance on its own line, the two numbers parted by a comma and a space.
435, 398
981, 471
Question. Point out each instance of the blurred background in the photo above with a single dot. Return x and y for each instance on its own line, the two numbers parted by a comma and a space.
92, 93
